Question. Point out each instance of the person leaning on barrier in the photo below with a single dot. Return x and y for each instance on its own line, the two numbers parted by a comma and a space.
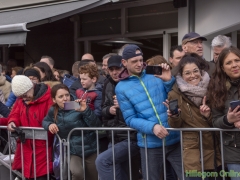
141, 97
190, 91
61, 122
112, 117
154, 61
224, 88
31, 106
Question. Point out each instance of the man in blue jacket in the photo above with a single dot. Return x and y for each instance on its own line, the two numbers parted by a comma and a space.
141, 98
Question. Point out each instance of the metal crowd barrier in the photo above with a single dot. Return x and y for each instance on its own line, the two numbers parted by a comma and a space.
30, 133
41, 134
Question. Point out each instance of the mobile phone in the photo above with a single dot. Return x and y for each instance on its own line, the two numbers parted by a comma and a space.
154, 70
234, 104
173, 106
71, 105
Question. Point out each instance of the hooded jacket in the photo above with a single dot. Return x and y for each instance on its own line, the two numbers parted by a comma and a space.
141, 101
93, 99
77, 85
32, 115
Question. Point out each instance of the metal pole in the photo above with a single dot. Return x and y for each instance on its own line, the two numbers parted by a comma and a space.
191, 15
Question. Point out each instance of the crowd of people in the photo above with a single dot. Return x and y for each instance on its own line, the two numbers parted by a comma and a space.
122, 94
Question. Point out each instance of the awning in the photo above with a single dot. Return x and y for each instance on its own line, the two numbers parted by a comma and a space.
14, 24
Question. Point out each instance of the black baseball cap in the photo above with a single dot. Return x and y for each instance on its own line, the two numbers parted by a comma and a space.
115, 61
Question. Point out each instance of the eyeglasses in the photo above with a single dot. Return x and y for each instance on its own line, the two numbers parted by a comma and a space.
194, 72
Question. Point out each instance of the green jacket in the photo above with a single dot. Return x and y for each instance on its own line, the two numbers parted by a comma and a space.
67, 120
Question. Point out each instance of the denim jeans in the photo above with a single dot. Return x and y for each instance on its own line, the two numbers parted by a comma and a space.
235, 168
155, 161
170, 173
104, 161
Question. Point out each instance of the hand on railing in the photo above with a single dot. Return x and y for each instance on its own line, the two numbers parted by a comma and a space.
53, 128
160, 131
237, 124
10, 126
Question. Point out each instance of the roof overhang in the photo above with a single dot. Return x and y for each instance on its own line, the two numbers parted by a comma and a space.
14, 23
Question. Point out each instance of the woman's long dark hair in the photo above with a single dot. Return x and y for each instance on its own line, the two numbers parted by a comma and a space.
217, 89
44, 67
53, 95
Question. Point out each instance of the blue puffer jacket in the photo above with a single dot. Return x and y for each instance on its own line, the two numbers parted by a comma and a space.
141, 102
67, 120
11, 100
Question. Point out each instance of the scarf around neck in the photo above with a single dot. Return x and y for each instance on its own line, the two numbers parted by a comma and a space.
194, 93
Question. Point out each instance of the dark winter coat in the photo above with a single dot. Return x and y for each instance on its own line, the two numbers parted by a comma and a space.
110, 120
231, 139
68, 120
4, 111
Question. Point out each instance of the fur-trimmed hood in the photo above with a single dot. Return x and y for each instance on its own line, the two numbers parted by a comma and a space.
51, 83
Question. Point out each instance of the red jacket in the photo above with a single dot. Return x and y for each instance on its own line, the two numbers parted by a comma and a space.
32, 115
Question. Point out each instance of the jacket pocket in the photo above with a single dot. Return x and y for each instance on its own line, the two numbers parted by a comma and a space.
190, 140
228, 138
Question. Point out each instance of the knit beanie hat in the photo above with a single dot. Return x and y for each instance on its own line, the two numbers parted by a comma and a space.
32, 72
21, 84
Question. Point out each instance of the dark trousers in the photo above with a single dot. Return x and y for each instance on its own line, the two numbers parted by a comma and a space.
105, 166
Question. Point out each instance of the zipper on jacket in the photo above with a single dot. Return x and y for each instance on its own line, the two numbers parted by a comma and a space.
190, 111
31, 141
150, 99
235, 144
63, 118
154, 108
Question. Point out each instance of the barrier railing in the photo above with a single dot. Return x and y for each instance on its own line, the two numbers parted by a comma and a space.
40, 134
33, 134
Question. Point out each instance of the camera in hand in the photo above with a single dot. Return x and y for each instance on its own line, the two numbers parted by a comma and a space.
173, 106
18, 133
154, 70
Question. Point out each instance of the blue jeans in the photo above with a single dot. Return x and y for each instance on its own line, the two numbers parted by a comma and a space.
155, 161
104, 161
235, 168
